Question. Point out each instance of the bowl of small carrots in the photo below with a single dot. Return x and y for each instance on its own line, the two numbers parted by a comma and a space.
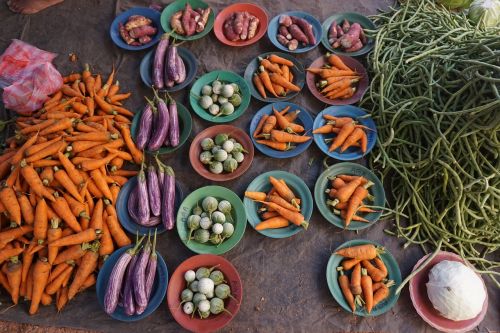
349, 196
279, 130
344, 132
337, 80
278, 204
363, 277
274, 77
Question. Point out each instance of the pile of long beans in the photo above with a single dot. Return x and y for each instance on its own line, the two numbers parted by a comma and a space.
434, 96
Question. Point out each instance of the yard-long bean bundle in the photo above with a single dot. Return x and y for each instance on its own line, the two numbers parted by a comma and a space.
434, 96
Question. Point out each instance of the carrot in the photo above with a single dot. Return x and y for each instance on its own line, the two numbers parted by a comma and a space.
120, 153
283, 190
291, 116
59, 125
345, 287
71, 78
77, 208
116, 231
268, 65
273, 223
41, 271
381, 265
40, 146
283, 203
355, 284
280, 60
46, 152
266, 81
132, 148
98, 150
62, 209
278, 79
71, 170
6, 253
83, 127
355, 201
118, 97
55, 284
106, 241
13, 233
375, 273
381, 292
64, 180
57, 270
336, 61
4, 282
294, 217
341, 137
18, 156
325, 129
92, 136
269, 124
354, 137
329, 72
279, 90
285, 125
267, 215
260, 196
41, 221
344, 193
54, 233
87, 266
361, 252
92, 164
96, 221
125, 173
338, 183
286, 74
343, 93
280, 136
275, 145
89, 282
338, 85
14, 275
62, 299
27, 259
348, 264
55, 98
120, 180
9, 201
364, 142
81, 237
98, 82
113, 89
366, 285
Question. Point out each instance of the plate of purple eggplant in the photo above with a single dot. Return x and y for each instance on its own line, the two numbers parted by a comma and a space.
163, 126
150, 200
173, 62
133, 281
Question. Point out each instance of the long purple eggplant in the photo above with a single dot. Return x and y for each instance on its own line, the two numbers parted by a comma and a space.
181, 69
168, 199
154, 191
159, 62
139, 279
174, 123
132, 204
115, 280
143, 211
160, 130
151, 270
172, 70
128, 289
145, 126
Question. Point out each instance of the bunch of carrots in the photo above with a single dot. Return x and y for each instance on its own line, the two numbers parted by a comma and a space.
368, 283
274, 76
346, 197
347, 133
280, 206
337, 80
279, 130
60, 177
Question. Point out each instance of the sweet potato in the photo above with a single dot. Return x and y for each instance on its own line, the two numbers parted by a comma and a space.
340, 32
145, 30
144, 39
229, 32
185, 20
298, 34
355, 47
252, 28
175, 23
285, 20
345, 26
125, 35
202, 22
137, 21
238, 23
332, 33
292, 45
306, 27
282, 40
246, 25
349, 39
284, 32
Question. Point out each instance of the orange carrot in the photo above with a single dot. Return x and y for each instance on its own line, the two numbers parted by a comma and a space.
279, 90
266, 81
125, 173
337, 183
71, 170
283, 190
62, 299
62, 209
106, 241
361, 252
54, 285
275, 145
92, 164
64, 180
41, 221
345, 192
375, 273
366, 285
269, 124
336, 61
260, 196
355, 284
85, 236
364, 142
294, 217
280, 136
89, 282
119, 153
268, 65
101, 184
113, 89
325, 129
280, 60
9, 201
338, 85
381, 265
267, 215
14, 275
283, 203
354, 137
18, 156
87, 266
285, 125
132, 148
41, 271
345, 287
273, 223
278, 79
116, 231
54, 233
381, 293
355, 201
341, 137
77, 208
56, 271
59, 125
6, 253
5, 283
12, 233
343, 93
40, 146
348, 264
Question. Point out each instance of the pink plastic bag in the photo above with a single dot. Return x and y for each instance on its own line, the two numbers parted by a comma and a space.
28, 76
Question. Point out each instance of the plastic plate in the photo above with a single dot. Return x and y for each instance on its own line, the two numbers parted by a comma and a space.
238, 215
352, 153
178, 5
346, 168
189, 62
393, 274
157, 295
299, 188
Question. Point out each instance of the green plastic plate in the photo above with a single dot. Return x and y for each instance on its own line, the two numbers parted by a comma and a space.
393, 274
185, 125
225, 76
299, 188
364, 21
238, 214
180, 5
377, 190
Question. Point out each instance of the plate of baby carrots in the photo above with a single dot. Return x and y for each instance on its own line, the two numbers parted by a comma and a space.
337, 79
280, 130
349, 196
274, 77
344, 132
363, 277
278, 204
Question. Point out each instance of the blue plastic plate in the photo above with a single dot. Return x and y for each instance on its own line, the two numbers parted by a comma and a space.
352, 153
189, 62
304, 119
394, 274
126, 220
157, 295
272, 31
152, 14
262, 184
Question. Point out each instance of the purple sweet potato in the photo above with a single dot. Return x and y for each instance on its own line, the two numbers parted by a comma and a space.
229, 32
355, 47
145, 30
144, 39
282, 40
293, 44
298, 34
345, 26
349, 39
238, 23
125, 35
284, 32
285, 20
306, 27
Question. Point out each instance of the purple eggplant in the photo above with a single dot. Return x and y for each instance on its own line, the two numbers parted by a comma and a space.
174, 123
132, 204
145, 126
181, 69
151, 269
139, 279
160, 130
128, 289
154, 191
153, 221
169, 68
168, 199
115, 280
159, 62
143, 212
172, 70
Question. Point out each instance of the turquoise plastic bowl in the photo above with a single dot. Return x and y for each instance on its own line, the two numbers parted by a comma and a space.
262, 184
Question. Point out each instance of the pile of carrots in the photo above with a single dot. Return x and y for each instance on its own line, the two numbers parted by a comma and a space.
274, 76
346, 197
368, 283
337, 80
60, 177
280, 206
347, 133
279, 130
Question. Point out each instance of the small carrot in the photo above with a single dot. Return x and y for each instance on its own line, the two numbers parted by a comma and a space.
279, 90
284, 191
92, 136
343, 93
283, 203
338, 85
113, 89
355, 201
348, 264
55, 98
344, 193
47, 152
361, 252
261, 196
6, 253
89, 282
325, 129
92, 164
345, 287
278, 79
100, 182
355, 284
336, 61
77, 208
71, 170
96, 221
338, 183
57, 270
54, 233
41, 271
341, 137
354, 137
364, 142
294, 217
117, 98
12, 233
68, 91
382, 292
132, 148
286, 73
40, 226
125, 173
14, 275
376, 274
9, 201
268, 65
87, 266
280, 60
280, 136
273, 223
64, 180
106, 241
381, 265
62, 209
18, 156
54, 285
120, 153
62, 299
286, 125
117, 232
275, 145
59, 125
269, 124
366, 286
267, 215
85, 236
260, 125
266, 81
5, 283
40, 146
